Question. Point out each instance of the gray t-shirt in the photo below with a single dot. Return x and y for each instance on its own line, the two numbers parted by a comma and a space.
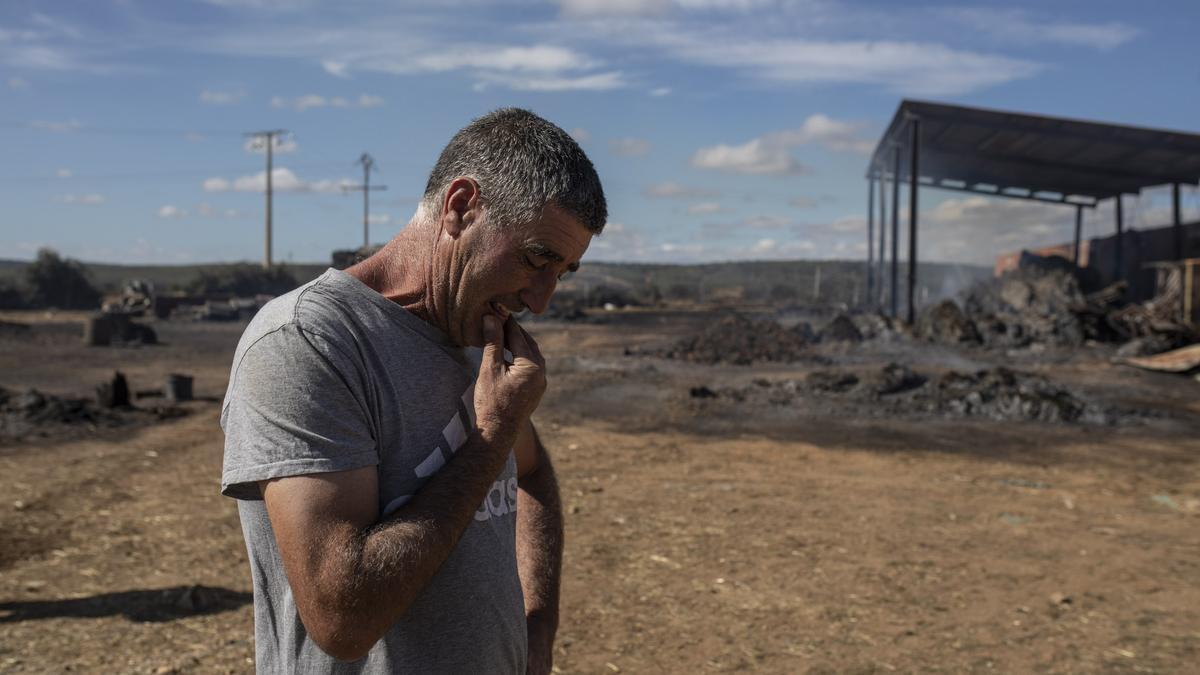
331, 377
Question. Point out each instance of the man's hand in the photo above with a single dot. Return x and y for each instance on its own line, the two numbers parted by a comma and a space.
507, 394
541, 647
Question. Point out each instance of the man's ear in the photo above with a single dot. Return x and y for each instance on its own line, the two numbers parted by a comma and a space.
461, 206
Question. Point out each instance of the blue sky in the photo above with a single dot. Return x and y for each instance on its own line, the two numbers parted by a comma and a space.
722, 129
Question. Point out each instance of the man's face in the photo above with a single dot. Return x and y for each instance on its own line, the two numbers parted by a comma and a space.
508, 269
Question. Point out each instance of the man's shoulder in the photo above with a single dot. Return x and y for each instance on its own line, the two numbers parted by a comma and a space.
313, 309
310, 306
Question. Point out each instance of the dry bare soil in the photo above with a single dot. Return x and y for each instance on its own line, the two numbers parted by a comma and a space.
703, 534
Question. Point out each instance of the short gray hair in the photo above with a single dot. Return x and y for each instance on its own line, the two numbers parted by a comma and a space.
522, 163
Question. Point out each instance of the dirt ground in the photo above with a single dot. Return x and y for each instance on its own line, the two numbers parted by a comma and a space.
703, 534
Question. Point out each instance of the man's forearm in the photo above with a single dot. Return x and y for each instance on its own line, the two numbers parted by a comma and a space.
539, 549
383, 569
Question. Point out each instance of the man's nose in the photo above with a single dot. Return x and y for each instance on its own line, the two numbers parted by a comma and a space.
537, 295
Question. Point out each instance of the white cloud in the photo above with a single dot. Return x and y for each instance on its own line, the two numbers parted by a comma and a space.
754, 157
216, 185
673, 190
213, 97
379, 219
621, 242
911, 68
302, 103
705, 208
1020, 26
763, 246
589, 8
88, 199
18, 83
766, 248
170, 211
264, 5
282, 180
595, 82
580, 135
335, 68
660, 91
538, 58
629, 147
770, 153
834, 135
63, 173
57, 127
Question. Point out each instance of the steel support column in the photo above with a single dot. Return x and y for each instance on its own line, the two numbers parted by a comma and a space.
895, 275
882, 261
1120, 253
870, 236
1177, 221
1078, 235
913, 185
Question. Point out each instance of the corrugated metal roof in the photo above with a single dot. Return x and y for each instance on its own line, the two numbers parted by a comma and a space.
1016, 154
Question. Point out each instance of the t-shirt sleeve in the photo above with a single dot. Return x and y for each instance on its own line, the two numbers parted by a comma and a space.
296, 405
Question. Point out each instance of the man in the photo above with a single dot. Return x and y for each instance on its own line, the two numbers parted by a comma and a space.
399, 511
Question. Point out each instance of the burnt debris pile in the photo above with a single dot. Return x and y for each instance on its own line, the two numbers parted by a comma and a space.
25, 413
741, 340
31, 413
1048, 306
998, 394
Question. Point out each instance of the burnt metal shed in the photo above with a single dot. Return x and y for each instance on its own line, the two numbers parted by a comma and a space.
1055, 160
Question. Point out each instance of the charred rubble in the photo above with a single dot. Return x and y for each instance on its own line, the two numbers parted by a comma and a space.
998, 394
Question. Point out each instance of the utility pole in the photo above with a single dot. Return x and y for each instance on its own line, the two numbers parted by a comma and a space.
368, 163
267, 137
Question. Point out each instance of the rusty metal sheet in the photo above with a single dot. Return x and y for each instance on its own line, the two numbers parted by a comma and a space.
1177, 361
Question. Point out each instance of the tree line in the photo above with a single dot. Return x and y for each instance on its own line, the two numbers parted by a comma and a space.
54, 281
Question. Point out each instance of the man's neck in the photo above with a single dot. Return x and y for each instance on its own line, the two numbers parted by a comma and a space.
401, 270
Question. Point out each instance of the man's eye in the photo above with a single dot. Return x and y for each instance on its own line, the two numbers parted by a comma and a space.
533, 265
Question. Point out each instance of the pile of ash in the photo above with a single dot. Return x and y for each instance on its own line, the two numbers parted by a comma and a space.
741, 340
1006, 395
895, 390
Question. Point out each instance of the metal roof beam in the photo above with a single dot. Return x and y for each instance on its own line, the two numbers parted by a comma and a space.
1000, 192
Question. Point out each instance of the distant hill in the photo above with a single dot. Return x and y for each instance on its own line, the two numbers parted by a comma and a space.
776, 281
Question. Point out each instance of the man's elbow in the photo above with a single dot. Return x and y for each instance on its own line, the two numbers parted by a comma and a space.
344, 637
